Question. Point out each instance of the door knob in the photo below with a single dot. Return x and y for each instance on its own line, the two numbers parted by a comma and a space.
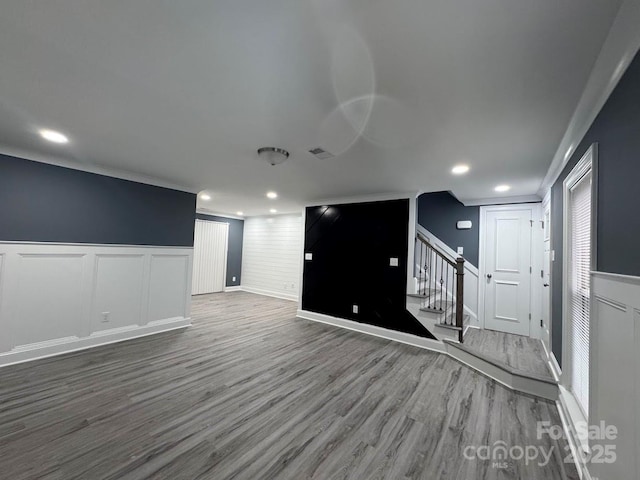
545, 285
489, 276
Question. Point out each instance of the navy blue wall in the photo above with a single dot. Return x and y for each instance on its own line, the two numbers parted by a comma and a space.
616, 130
234, 254
439, 212
47, 203
351, 246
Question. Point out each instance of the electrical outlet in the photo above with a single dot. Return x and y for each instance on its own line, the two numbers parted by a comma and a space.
460, 250
233, 279
355, 309
393, 262
105, 317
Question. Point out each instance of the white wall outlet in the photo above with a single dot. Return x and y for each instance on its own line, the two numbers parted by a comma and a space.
308, 256
233, 279
355, 309
393, 262
460, 250
104, 318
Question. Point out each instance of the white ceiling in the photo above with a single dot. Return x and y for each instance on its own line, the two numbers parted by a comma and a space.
185, 92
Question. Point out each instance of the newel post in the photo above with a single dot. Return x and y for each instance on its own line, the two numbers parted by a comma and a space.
459, 296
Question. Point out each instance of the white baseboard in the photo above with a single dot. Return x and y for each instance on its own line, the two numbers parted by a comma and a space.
235, 288
566, 404
270, 293
380, 332
50, 348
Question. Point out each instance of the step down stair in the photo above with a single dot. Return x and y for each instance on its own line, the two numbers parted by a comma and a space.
516, 379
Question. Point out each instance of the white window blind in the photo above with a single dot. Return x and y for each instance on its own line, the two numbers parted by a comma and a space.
579, 286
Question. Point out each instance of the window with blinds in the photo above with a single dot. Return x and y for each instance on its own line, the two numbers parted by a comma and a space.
579, 283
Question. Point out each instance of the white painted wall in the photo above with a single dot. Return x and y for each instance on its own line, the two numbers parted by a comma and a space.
271, 252
52, 296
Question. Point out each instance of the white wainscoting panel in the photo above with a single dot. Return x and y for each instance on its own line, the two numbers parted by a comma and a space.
51, 287
615, 370
56, 298
118, 292
170, 279
271, 253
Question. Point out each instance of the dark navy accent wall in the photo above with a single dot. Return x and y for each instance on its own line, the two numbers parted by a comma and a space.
47, 203
439, 213
234, 252
351, 246
616, 130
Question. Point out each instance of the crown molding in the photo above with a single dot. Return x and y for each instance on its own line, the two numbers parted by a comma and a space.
91, 168
620, 46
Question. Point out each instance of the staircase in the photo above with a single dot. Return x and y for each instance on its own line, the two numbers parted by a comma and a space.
438, 303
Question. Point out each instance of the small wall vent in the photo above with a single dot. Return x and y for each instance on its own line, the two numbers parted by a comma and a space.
320, 153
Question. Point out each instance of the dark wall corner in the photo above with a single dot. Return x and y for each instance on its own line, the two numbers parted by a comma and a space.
439, 213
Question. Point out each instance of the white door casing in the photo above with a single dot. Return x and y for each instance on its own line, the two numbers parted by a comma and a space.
209, 256
506, 267
545, 334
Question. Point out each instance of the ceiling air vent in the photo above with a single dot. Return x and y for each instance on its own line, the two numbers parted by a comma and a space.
320, 153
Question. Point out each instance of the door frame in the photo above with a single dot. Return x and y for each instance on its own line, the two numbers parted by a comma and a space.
535, 294
546, 204
226, 254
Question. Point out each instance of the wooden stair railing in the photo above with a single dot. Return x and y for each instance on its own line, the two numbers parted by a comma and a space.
441, 283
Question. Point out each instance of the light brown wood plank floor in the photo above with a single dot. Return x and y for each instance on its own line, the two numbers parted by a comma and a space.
524, 353
250, 392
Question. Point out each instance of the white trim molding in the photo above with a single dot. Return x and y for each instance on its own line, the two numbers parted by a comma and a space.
618, 51
84, 166
269, 293
57, 298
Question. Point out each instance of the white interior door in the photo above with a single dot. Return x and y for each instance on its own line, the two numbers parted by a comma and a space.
507, 269
209, 257
545, 335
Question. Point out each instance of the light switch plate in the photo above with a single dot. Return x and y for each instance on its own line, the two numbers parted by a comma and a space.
355, 309
393, 262
308, 256
460, 250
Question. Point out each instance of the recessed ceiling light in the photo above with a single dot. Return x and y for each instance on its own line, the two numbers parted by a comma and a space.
502, 188
460, 169
205, 196
53, 136
273, 210
240, 213
272, 195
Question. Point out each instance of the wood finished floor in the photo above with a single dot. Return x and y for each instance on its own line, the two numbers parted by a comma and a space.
524, 353
250, 392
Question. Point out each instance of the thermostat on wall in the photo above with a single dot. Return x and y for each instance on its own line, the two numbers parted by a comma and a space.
464, 225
